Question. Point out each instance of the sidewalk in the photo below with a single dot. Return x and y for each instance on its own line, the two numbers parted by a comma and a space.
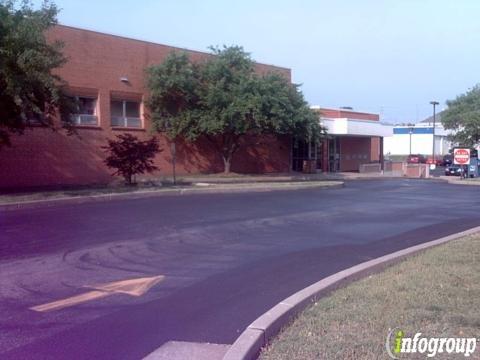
286, 177
458, 181
188, 184
50, 198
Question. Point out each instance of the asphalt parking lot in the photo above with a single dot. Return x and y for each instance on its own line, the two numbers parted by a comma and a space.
223, 259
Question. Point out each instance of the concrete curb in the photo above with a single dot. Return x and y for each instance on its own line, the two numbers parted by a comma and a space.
456, 180
250, 342
360, 178
464, 182
211, 189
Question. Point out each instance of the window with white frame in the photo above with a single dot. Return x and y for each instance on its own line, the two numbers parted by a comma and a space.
86, 111
125, 113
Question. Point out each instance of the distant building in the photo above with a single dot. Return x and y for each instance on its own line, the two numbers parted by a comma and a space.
418, 138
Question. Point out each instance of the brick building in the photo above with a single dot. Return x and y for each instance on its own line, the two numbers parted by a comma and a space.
355, 138
106, 74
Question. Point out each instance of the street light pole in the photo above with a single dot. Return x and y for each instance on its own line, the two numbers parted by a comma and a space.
434, 103
410, 131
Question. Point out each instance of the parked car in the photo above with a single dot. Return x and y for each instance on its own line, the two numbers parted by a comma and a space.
447, 160
416, 159
437, 162
453, 170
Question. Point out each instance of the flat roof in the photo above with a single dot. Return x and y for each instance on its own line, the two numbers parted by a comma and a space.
317, 107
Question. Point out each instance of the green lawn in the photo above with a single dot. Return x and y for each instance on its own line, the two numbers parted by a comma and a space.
436, 293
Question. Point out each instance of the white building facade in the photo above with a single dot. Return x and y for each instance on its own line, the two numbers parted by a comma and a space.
418, 139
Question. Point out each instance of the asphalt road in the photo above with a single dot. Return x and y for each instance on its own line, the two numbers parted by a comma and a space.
226, 258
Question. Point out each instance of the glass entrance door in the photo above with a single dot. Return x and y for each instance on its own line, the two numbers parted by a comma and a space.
334, 155
319, 152
299, 153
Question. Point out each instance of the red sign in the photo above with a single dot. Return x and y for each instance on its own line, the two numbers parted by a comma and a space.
461, 156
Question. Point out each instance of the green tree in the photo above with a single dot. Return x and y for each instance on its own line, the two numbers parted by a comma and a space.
284, 110
230, 98
28, 88
463, 116
130, 156
226, 102
173, 98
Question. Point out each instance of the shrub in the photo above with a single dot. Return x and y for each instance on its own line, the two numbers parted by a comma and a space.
131, 156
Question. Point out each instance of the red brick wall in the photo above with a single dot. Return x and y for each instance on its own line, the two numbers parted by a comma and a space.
335, 113
375, 149
42, 157
99, 60
95, 64
354, 151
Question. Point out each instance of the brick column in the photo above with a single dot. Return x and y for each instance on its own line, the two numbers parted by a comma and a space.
381, 154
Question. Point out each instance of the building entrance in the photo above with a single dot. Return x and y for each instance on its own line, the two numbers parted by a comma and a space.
301, 151
334, 155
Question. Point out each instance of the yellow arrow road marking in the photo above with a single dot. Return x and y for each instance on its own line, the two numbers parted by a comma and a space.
133, 287
74, 300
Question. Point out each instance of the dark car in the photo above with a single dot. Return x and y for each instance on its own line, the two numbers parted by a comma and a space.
453, 170
447, 160
416, 159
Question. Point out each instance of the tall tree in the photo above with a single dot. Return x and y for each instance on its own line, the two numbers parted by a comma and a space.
284, 110
463, 116
28, 88
230, 97
173, 98
226, 102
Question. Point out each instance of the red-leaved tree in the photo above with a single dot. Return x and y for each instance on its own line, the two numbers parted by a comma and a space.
131, 156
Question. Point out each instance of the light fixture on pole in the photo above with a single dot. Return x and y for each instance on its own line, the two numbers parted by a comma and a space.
434, 103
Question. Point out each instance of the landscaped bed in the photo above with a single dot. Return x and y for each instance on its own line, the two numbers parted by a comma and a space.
436, 293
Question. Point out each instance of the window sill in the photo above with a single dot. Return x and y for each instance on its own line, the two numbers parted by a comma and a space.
122, 128
92, 127
36, 125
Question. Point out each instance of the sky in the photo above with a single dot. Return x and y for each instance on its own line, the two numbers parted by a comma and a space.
390, 57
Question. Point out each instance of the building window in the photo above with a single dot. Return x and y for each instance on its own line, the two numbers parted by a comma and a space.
125, 113
34, 119
85, 112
